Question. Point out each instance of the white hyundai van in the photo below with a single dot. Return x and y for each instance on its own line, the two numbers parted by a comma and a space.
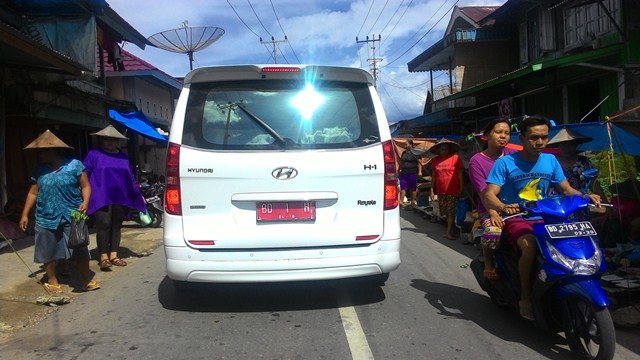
280, 173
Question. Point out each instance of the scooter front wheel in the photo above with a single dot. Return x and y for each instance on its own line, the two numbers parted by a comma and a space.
589, 331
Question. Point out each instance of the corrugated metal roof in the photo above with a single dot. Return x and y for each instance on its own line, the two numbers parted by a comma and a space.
131, 62
22, 50
135, 66
477, 13
561, 60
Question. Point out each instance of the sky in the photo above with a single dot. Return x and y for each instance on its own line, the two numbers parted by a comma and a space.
319, 32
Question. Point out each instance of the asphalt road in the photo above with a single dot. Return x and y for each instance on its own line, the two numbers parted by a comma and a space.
431, 308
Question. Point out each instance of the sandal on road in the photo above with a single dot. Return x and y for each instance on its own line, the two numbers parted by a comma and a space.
53, 289
91, 285
105, 264
491, 274
118, 262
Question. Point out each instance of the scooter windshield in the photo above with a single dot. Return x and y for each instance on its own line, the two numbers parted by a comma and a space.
560, 205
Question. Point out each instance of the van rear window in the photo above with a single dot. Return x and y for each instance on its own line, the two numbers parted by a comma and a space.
279, 114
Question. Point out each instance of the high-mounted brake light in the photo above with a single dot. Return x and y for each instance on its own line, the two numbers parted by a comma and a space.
272, 69
172, 203
390, 177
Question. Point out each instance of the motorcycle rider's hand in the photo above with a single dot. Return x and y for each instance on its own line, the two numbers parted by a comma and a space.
595, 199
510, 209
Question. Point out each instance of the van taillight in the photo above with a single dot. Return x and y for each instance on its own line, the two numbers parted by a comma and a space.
172, 203
390, 177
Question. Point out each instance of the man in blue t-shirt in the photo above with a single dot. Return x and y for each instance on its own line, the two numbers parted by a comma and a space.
525, 176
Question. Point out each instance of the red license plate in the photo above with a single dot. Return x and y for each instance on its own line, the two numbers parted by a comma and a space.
286, 211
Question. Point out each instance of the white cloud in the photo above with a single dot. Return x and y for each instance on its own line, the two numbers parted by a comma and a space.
319, 31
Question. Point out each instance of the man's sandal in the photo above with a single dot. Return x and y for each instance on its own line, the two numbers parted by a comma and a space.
53, 289
118, 262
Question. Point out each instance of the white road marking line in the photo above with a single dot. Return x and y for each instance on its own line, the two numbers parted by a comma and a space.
356, 338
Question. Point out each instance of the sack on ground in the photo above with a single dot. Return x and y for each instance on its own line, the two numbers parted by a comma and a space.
79, 236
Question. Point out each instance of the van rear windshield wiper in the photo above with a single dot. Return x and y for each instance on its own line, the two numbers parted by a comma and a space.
263, 124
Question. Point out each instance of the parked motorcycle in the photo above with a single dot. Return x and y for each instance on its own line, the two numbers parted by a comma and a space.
153, 197
566, 294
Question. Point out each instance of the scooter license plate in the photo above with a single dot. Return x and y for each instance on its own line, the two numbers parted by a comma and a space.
582, 228
152, 199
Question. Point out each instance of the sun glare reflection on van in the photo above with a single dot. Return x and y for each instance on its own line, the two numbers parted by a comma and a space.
307, 101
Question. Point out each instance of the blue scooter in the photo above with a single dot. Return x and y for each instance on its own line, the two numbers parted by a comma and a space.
566, 294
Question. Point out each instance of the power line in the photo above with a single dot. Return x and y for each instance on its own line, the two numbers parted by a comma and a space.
397, 22
245, 24
378, 18
283, 32
391, 18
394, 103
419, 30
257, 17
254, 33
422, 37
365, 18
400, 87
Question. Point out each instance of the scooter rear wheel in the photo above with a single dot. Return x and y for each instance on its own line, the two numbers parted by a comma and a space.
156, 218
590, 332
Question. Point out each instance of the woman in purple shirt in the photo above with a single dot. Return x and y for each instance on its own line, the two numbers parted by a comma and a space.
498, 134
113, 191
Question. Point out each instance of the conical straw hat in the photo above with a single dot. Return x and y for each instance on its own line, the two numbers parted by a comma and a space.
435, 149
111, 132
568, 135
47, 140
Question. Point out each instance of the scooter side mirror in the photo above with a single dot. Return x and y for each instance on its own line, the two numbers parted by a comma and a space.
589, 175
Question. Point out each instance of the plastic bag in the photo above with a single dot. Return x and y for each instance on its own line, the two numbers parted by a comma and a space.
435, 208
79, 236
462, 206
145, 218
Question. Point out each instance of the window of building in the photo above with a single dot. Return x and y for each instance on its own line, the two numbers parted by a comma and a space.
583, 24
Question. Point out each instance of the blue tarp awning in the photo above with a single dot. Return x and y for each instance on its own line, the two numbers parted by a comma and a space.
626, 142
138, 122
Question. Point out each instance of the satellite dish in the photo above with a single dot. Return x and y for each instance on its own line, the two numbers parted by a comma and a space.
186, 39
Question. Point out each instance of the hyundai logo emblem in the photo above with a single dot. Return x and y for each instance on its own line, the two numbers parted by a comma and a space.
284, 173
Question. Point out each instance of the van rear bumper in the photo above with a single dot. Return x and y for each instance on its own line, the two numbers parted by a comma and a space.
260, 265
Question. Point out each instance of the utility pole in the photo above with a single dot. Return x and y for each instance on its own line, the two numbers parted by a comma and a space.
274, 44
373, 61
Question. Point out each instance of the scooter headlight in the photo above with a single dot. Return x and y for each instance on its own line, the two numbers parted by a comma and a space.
577, 266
